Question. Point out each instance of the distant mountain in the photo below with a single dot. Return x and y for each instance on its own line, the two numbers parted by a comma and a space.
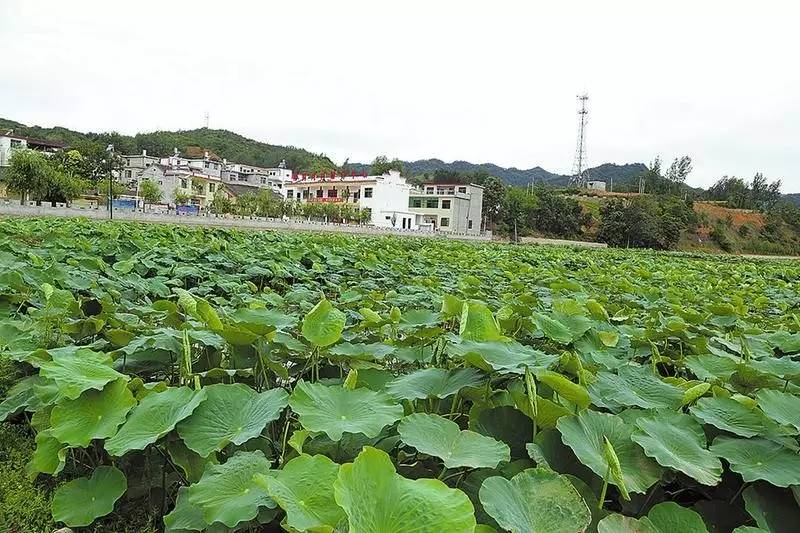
793, 197
227, 144
621, 174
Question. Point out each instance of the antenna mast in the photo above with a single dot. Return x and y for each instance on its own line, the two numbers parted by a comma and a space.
206, 120
579, 177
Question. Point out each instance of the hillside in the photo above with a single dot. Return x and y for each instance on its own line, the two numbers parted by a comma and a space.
227, 144
622, 174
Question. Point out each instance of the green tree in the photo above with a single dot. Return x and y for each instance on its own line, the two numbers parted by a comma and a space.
180, 197
117, 189
150, 192
381, 165
221, 203
517, 212
645, 222
41, 179
494, 194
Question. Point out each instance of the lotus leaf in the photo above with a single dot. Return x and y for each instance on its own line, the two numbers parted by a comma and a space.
228, 493
93, 415
584, 434
336, 410
442, 438
80, 501
323, 325
678, 441
155, 416
377, 499
304, 489
231, 413
535, 500
433, 383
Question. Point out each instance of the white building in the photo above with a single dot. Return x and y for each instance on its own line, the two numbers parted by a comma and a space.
451, 207
596, 185
385, 196
275, 178
9, 143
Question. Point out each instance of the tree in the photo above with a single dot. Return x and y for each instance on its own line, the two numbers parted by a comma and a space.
494, 193
517, 212
221, 203
556, 214
679, 170
645, 222
150, 192
36, 177
381, 165
117, 189
180, 197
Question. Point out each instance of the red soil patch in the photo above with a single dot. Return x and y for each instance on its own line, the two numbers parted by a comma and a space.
739, 217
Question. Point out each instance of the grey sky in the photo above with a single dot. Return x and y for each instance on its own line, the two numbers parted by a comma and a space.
479, 81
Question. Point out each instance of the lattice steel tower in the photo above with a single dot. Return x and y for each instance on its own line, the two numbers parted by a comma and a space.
579, 177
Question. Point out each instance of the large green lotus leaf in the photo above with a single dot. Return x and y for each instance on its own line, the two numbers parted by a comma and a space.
758, 458
21, 395
617, 523
364, 352
79, 372
335, 410
478, 324
584, 434
231, 413
304, 489
154, 417
263, 321
729, 415
442, 438
48, 458
535, 501
93, 415
782, 407
504, 357
80, 501
710, 367
228, 493
677, 441
552, 328
378, 500
635, 386
185, 516
434, 383
323, 325
669, 517
774, 509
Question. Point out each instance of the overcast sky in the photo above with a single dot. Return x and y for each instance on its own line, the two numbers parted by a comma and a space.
479, 81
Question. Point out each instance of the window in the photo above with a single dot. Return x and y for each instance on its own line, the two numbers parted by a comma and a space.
160, 182
212, 187
432, 203
184, 185
444, 222
263, 179
128, 174
428, 190
205, 164
367, 192
469, 225
462, 189
333, 193
290, 193
415, 202
319, 192
242, 177
445, 204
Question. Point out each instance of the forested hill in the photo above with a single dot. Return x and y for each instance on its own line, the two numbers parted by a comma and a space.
224, 143
622, 174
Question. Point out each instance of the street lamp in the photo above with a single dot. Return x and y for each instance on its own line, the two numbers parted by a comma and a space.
110, 150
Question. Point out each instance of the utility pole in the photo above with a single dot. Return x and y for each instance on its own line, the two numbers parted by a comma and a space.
110, 150
579, 177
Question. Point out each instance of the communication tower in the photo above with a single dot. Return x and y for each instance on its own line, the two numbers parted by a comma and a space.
579, 177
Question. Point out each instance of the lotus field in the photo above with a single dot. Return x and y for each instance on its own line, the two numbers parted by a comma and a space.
253, 381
